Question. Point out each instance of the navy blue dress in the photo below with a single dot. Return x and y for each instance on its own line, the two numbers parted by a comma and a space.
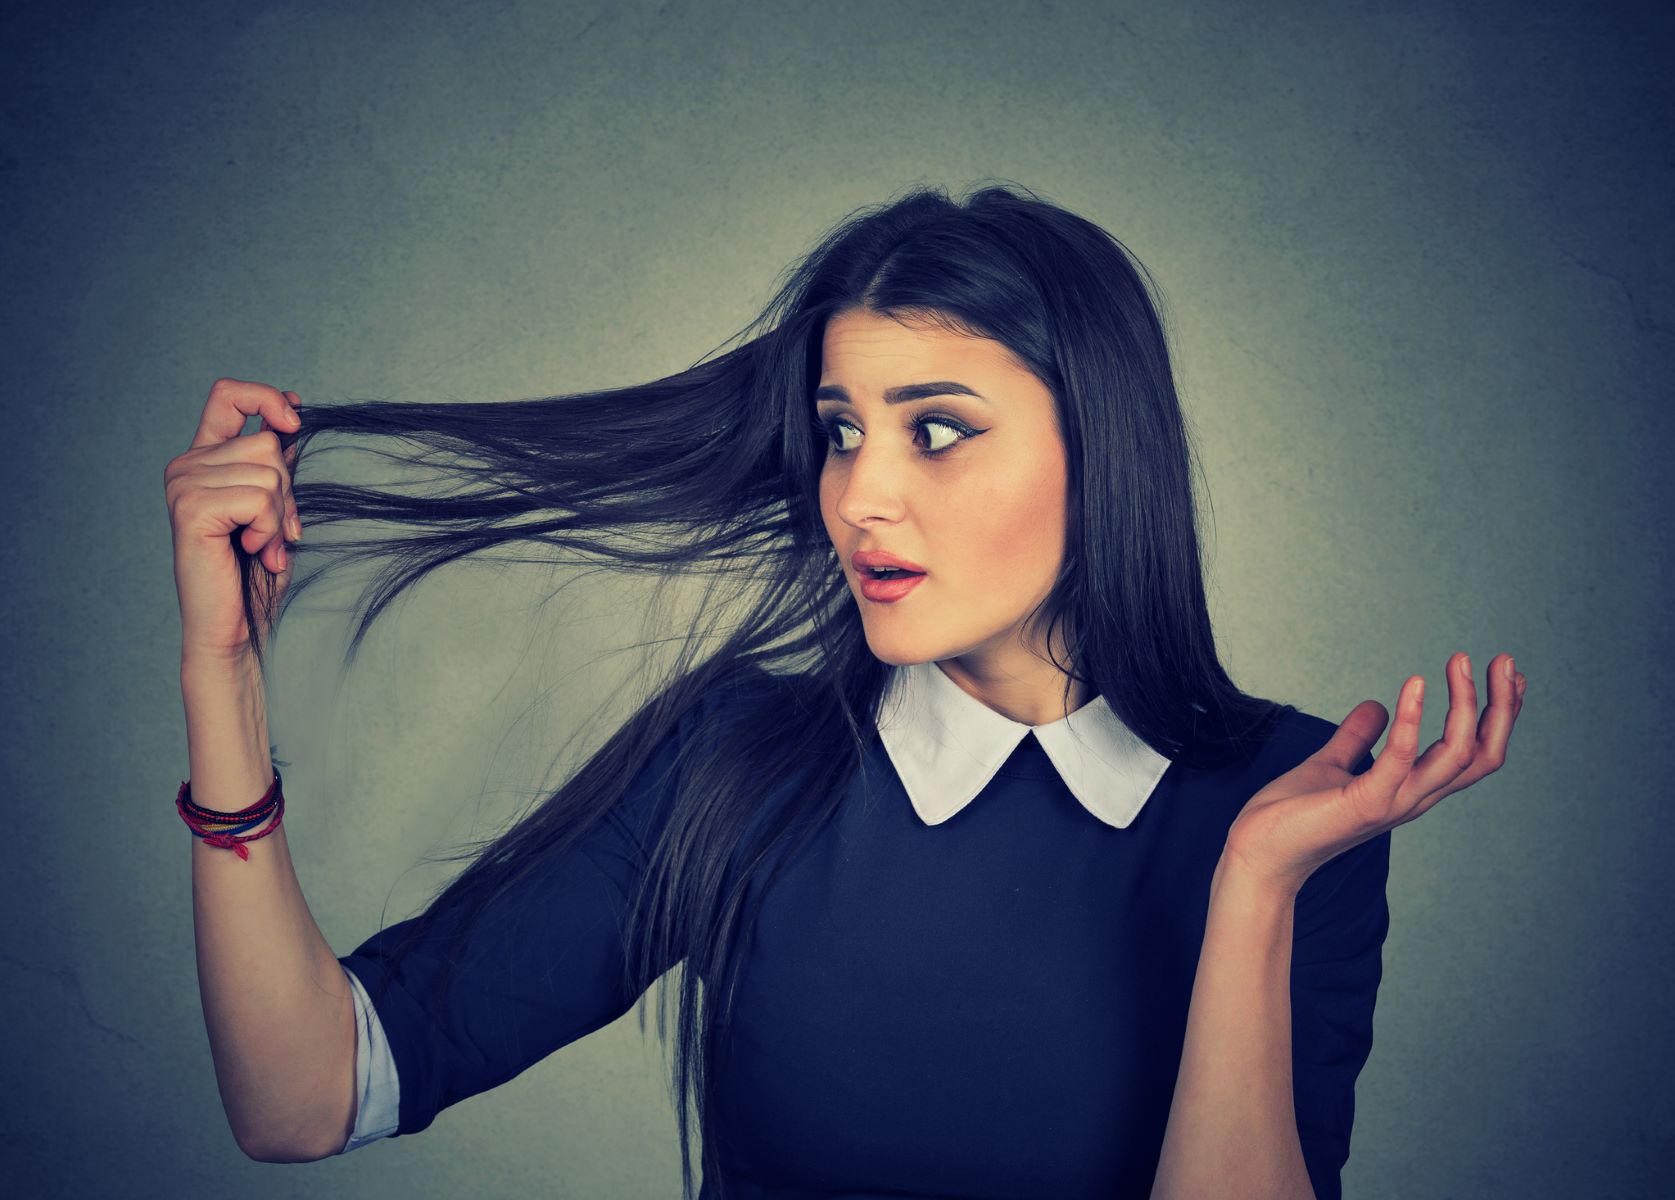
989, 1007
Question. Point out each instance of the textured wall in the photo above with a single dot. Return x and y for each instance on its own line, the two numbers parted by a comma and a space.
1417, 264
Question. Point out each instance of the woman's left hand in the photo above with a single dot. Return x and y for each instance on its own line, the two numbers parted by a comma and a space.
1319, 809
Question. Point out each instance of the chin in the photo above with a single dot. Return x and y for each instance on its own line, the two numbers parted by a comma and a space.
907, 652
896, 651
894, 658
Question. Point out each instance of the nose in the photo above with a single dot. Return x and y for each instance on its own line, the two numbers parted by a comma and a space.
871, 490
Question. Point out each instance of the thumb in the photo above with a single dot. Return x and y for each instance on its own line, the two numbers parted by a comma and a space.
1354, 737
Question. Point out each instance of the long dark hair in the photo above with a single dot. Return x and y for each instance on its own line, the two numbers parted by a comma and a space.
714, 471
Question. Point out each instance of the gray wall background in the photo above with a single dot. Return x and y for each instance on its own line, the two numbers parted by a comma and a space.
1417, 265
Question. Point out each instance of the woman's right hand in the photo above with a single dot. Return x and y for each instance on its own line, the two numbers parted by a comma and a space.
222, 482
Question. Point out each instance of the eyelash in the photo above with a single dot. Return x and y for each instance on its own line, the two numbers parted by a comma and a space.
827, 424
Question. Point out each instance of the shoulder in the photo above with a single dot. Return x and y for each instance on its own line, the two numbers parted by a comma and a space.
719, 717
1295, 736
744, 691
739, 708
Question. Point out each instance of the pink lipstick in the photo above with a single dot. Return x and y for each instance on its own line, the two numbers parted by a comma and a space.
888, 591
884, 577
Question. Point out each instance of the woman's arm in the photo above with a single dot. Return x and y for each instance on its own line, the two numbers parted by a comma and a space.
1232, 1124
277, 1006
1234, 1111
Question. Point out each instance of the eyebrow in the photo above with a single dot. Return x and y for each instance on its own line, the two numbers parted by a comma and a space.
904, 393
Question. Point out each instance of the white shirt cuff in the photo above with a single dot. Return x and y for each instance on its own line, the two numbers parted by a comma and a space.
378, 1090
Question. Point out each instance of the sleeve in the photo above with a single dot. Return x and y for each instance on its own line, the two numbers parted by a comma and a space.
377, 1088
1341, 918
541, 968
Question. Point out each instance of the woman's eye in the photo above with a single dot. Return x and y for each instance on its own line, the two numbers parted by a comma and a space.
925, 425
832, 427
933, 423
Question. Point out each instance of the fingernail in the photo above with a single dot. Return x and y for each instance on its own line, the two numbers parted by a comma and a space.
1510, 674
1467, 665
295, 524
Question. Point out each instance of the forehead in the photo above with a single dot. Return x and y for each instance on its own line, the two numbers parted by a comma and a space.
866, 351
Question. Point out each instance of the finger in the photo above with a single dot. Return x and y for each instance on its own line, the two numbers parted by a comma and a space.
291, 424
1380, 782
1494, 731
246, 510
1451, 755
287, 458
1354, 737
288, 445
261, 534
273, 554
231, 401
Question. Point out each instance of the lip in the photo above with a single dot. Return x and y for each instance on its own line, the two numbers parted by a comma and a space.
884, 591
888, 591
865, 560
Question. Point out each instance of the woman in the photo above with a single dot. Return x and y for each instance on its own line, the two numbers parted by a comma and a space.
986, 879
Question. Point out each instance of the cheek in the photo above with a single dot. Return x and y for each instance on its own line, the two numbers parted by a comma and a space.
828, 493
1014, 529
1027, 538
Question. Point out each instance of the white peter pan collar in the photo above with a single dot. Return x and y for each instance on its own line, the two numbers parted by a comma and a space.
947, 745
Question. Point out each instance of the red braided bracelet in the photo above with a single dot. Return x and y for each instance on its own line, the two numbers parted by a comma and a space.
219, 828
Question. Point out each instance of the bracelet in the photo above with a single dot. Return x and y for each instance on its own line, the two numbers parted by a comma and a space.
222, 828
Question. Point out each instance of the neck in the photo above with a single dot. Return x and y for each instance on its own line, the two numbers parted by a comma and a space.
1033, 695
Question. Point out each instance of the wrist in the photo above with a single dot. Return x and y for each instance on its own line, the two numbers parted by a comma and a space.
1234, 874
217, 662
229, 761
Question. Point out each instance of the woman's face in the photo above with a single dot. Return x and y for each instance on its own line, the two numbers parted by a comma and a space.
984, 518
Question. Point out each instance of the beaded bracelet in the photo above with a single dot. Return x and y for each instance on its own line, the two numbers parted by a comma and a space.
221, 828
